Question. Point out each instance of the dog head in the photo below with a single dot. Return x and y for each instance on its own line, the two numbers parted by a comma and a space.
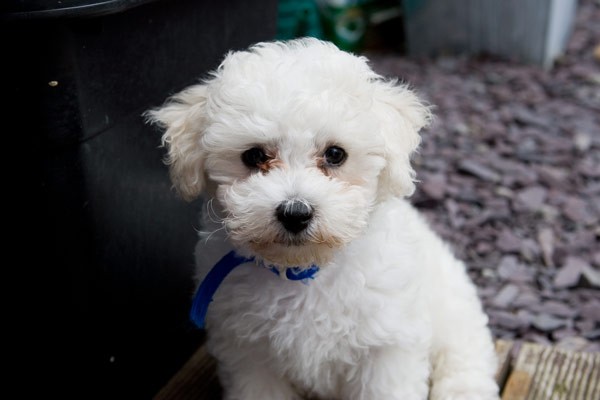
300, 141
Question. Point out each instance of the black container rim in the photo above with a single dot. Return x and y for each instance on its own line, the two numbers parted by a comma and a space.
77, 9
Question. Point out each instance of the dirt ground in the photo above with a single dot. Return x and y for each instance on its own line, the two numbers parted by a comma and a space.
510, 177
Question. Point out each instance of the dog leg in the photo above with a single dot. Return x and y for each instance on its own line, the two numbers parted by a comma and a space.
465, 371
393, 374
463, 356
254, 383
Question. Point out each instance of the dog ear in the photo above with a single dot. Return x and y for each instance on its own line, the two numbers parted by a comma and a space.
184, 120
403, 114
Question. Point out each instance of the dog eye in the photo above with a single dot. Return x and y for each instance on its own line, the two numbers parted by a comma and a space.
335, 156
253, 157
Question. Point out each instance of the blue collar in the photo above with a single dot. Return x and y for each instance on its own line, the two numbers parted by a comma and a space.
222, 268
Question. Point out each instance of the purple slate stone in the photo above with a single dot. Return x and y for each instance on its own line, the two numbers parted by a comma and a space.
532, 198
569, 274
505, 296
547, 322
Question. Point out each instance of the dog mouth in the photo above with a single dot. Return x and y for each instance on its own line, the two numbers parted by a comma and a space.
284, 240
292, 251
312, 246
291, 242
299, 240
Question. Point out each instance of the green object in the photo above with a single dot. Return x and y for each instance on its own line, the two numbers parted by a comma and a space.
345, 22
298, 18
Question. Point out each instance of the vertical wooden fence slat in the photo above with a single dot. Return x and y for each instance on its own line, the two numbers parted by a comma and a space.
532, 31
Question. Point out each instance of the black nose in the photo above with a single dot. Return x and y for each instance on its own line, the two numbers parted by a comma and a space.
294, 215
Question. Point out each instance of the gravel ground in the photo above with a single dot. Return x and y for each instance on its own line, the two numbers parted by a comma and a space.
510, 177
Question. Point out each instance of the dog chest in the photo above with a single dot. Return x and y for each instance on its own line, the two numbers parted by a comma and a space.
315, 334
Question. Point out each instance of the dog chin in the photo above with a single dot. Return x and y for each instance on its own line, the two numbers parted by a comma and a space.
294, 253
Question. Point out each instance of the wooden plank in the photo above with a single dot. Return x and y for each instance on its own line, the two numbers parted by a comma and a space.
577, 379
549, 373
566, 376
539, 373
587, 377
520, 380
503, 351
594, 392
197, 379
545, 376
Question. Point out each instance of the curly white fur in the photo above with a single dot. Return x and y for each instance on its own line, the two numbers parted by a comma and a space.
391, 314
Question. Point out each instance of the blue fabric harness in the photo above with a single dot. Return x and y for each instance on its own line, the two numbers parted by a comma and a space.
214, 278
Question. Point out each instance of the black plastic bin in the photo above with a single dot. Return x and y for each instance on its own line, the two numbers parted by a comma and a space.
106, 279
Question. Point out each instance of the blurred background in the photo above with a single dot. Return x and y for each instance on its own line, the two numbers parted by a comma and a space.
509, 170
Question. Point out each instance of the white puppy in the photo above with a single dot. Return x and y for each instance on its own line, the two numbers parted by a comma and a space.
306, 151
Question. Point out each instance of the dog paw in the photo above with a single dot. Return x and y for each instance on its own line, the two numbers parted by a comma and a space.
466, 396
459, 390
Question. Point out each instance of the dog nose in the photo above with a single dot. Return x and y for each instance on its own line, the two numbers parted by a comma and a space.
294, 215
